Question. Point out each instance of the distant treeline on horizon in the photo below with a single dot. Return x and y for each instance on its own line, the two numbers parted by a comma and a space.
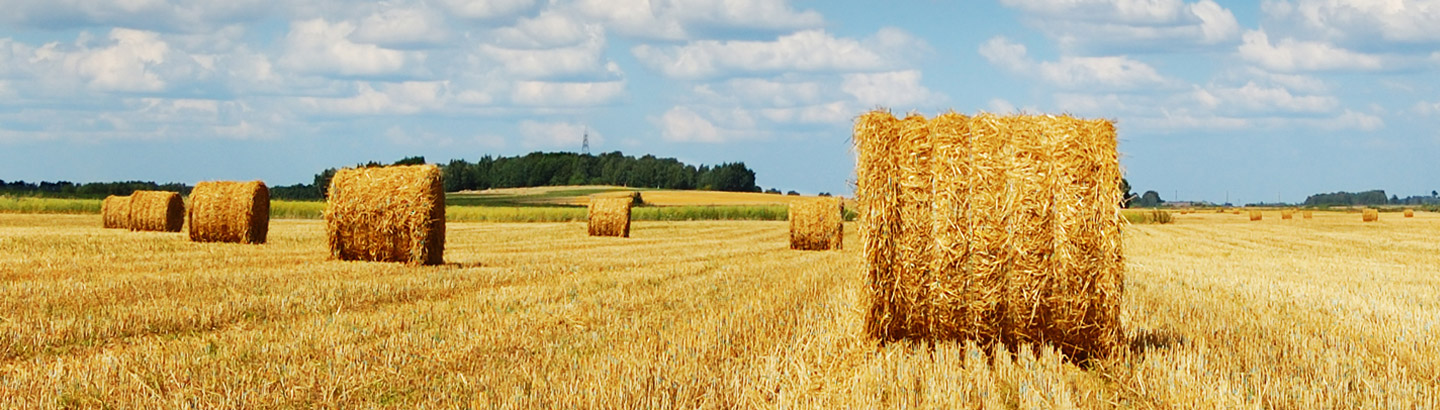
530, 170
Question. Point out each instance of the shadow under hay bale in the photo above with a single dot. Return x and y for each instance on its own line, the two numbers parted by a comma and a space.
160, 211
387, 214
992, 229
1370, 215
115, 212
609, 216
229, 211
817, 224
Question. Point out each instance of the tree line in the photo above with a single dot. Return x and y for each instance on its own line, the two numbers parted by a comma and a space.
530, 170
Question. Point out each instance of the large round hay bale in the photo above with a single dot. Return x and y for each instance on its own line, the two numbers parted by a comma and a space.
1370, 215
1307, 214
816, 224
992, 229
115, 212
1409, 213
609, 216
387, 214
1255, 215
161, 211
229, 211
1287, 214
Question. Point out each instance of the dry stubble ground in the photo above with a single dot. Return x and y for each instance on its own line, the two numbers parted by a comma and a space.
1323, 313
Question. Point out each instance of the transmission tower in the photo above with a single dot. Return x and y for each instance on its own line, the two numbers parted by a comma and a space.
585, 142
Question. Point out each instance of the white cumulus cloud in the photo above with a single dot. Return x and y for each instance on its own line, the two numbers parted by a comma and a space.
1109, 73
567, 94
1290, 55
402, 28
682, 19
320, 47
1149, 25
804, 51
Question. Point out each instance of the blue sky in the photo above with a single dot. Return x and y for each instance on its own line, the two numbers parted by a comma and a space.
1254, 101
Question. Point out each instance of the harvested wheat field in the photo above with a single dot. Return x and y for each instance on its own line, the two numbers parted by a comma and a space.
1220, 313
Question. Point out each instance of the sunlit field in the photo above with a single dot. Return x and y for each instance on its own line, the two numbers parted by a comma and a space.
1222, 313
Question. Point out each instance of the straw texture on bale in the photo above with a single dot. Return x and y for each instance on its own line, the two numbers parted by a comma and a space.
229, 211
609, 216
816, 224
387, 214
1255, 215
115, 212
1287, 214
1409, 213
1370, 215
161, 211
1307, 214
992, 229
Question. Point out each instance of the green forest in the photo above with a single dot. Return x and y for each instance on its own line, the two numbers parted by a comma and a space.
530, 170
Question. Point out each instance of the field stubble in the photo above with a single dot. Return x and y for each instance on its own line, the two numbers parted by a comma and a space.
1224, 313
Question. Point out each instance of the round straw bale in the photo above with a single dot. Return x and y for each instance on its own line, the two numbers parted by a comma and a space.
1255, 215
1409, 213
1370, 215
1307, 214
115, 211
161, 211
1287, 214
229, 211
816, 224
609, 216
1016, 240
387, 214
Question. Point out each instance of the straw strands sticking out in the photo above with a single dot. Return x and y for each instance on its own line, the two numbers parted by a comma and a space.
609, 216
1016, 240
390, 214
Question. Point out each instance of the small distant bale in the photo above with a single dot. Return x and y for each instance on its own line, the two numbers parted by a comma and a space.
1255, 215
609, 216
1370, 215
1307, 214
816, 224
158, 211
1409, 213
115, 212
1287, 214
229, 211
387, 214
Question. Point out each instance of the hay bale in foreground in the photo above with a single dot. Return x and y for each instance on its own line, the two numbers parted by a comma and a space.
229, 211
115, 212
161, 211
387, 214
816, 224
1015, 241
609, 216
1370, 215
1409, 213
1255, 215
1287, 214
1307, 214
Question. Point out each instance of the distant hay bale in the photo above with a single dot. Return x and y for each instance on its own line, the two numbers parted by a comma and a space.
609, 216
994, 229
1255, 215
816, 224
115, 212
160, 211
1307, 214
1287, 214
1370, 215
229, 211
1409, 213
387, 214
1236, 212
